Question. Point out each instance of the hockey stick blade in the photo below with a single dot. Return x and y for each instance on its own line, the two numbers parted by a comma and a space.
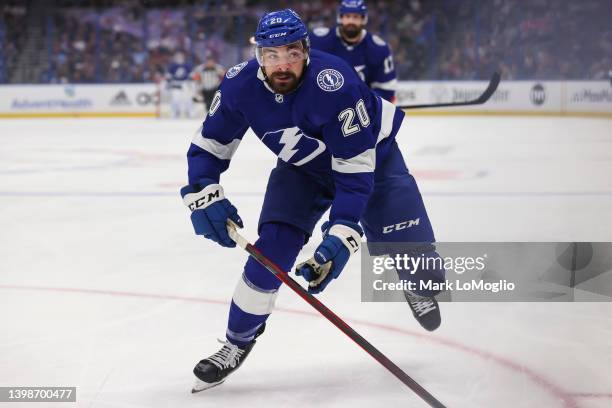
332, 317
484, 97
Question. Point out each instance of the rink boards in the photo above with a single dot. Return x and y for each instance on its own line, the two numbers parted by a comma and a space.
525, 98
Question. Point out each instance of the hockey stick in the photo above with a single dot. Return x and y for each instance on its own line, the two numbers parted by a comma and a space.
332, 317
491, 88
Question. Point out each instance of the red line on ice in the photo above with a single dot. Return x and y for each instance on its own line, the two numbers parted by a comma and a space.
568, 398
590, 395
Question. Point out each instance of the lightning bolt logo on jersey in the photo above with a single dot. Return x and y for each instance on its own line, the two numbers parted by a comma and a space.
178, 74
293, 146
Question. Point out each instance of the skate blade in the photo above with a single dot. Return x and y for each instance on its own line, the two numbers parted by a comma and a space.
203, 386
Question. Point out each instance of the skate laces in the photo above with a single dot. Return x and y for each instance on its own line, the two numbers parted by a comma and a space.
421, 305
228, 356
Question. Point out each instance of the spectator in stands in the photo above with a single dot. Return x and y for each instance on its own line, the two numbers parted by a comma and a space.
131, 40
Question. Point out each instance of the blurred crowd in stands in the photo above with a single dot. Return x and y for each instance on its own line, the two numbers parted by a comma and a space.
12, 35
134, 40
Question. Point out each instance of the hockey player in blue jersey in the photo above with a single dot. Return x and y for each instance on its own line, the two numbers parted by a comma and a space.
367, 53
335, 142
178, 82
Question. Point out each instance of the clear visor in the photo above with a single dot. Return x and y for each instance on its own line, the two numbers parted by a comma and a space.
283, 55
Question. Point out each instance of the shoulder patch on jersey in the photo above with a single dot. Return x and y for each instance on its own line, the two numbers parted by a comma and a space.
321, 31
330, 80
378, 41
233, 71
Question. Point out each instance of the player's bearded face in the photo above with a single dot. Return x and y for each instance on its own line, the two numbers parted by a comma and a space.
351, 25
284, 66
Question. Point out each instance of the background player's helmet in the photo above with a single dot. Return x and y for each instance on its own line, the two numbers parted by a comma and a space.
280, 28
353, 6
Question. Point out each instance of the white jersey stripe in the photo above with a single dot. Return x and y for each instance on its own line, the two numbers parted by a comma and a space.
219, 150
386, 120
362, 163
387, 86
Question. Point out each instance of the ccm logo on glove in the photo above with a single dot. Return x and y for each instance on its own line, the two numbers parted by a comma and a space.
202, 199
350, 237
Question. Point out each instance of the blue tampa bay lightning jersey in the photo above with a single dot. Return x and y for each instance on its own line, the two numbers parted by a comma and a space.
371, 58
332, 125
178, 73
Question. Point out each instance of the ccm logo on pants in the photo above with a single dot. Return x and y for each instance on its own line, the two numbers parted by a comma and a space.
400, 226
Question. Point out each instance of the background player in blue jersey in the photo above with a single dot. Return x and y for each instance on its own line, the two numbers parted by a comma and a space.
178, 82
335, 142
367, 53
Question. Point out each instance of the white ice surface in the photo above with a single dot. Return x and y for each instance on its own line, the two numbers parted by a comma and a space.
103, 285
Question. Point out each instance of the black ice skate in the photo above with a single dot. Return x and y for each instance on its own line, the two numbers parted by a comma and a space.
425, 310
213, 371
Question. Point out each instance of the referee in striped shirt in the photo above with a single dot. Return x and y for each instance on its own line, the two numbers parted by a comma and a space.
207, 78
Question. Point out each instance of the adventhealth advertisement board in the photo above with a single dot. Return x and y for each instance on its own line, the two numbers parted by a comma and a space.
586, 98
78, 100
